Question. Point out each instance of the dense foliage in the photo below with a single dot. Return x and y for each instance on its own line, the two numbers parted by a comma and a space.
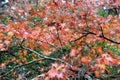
60, 40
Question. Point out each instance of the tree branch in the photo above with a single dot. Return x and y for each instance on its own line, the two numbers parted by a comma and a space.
46, 57
84, 35
43, 56
101, 36
79, 38
18, 67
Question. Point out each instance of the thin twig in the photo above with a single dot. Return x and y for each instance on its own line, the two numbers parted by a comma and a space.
46, 57
43, 56
103, 36
18, 67
58, 36
48, 43
84, 35
79, 38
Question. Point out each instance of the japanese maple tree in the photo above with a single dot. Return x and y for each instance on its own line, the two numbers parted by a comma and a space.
59, 40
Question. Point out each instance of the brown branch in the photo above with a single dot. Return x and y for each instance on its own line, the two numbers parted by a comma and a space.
46, 57
48, 43
58, 35
84, 35
79, 38
101, 36
43, 56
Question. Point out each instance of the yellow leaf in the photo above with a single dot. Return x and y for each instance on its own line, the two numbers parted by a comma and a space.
10, 34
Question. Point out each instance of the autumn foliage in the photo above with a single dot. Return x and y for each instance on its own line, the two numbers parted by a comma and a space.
58, 39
